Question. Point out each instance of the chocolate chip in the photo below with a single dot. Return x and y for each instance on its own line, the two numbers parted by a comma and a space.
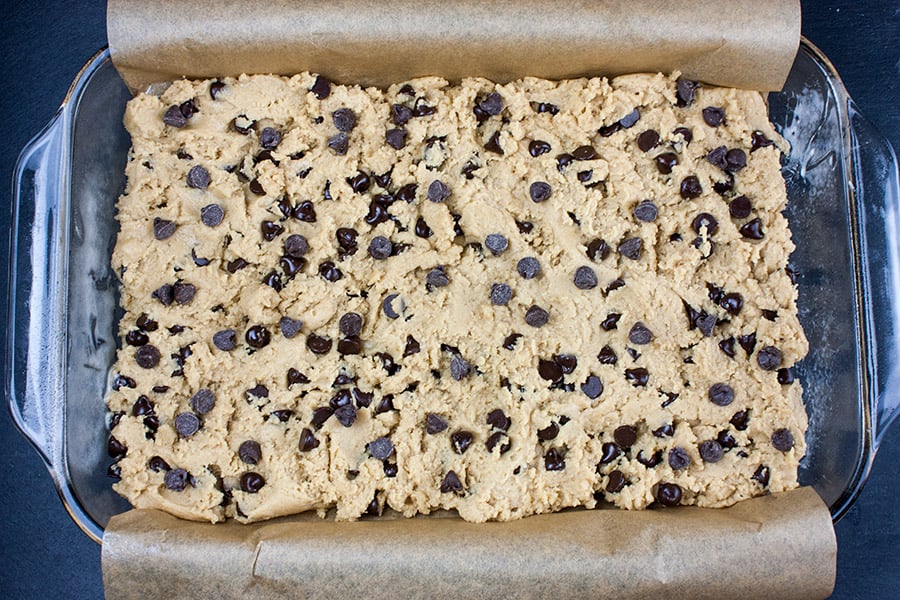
597, 249
629, 120
269, 138
142, 406
174, 117
496, 243
685, 133
308, 441
536, 316
607, 356
544, 107
723, 187
294, 377
711, 451
735, 160
727, 347
554, 461
136, 338
648, 140
759, 140
211, 215
257, 336
510, 341
786, 376
147, 356
740, 207
684, 91
501, 294
257, 188
329, 272
625, 436
498, 420
233, 266
690, 187
608, 130
549, 370
318, 344
187, 424
121, 381
381, 448
438, 191
252, 482
631, 248
250, 452
493, 144
350, 324
344, 119
549, 432
395, 138
178, 479
388, 306
566, 362
782, 440
437, 277
380, 247
721, 394
225, 340
761, 475
115, 448
666, 430
615, 482
459, 368
538, 147
198, 178
346, 415
422, 229
539, 191
434, 424
638, 377
679, 458
716, 157
157, 464
163, 229
492, 104
451, 484
668, 494
752, 230
705, 221
651, 461
585, 278
563, 161
646, 211
183, 293
215, 88
495, 438
640, 334
666, 162
461, 440
586, 152
339, 143
769, 358
258, 391
346, 239
528, 267
203, 401
713, 116
610, 452
289, 327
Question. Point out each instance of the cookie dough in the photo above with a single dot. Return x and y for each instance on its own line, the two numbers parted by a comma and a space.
499, 299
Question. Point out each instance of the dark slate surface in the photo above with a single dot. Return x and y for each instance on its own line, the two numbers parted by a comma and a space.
44, 44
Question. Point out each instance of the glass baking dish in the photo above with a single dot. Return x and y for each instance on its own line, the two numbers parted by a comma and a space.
842, 183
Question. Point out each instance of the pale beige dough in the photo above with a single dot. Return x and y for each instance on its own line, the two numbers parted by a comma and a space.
340, 471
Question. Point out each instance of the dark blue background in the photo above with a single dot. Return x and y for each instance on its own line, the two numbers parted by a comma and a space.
44, 44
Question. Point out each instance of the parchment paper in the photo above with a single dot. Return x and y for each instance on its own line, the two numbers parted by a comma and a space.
776, 546
739, 44
779, 546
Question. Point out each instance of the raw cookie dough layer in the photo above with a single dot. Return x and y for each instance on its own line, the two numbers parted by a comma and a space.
499, 299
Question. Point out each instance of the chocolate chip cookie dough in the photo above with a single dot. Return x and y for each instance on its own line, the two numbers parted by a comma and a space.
499, 299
